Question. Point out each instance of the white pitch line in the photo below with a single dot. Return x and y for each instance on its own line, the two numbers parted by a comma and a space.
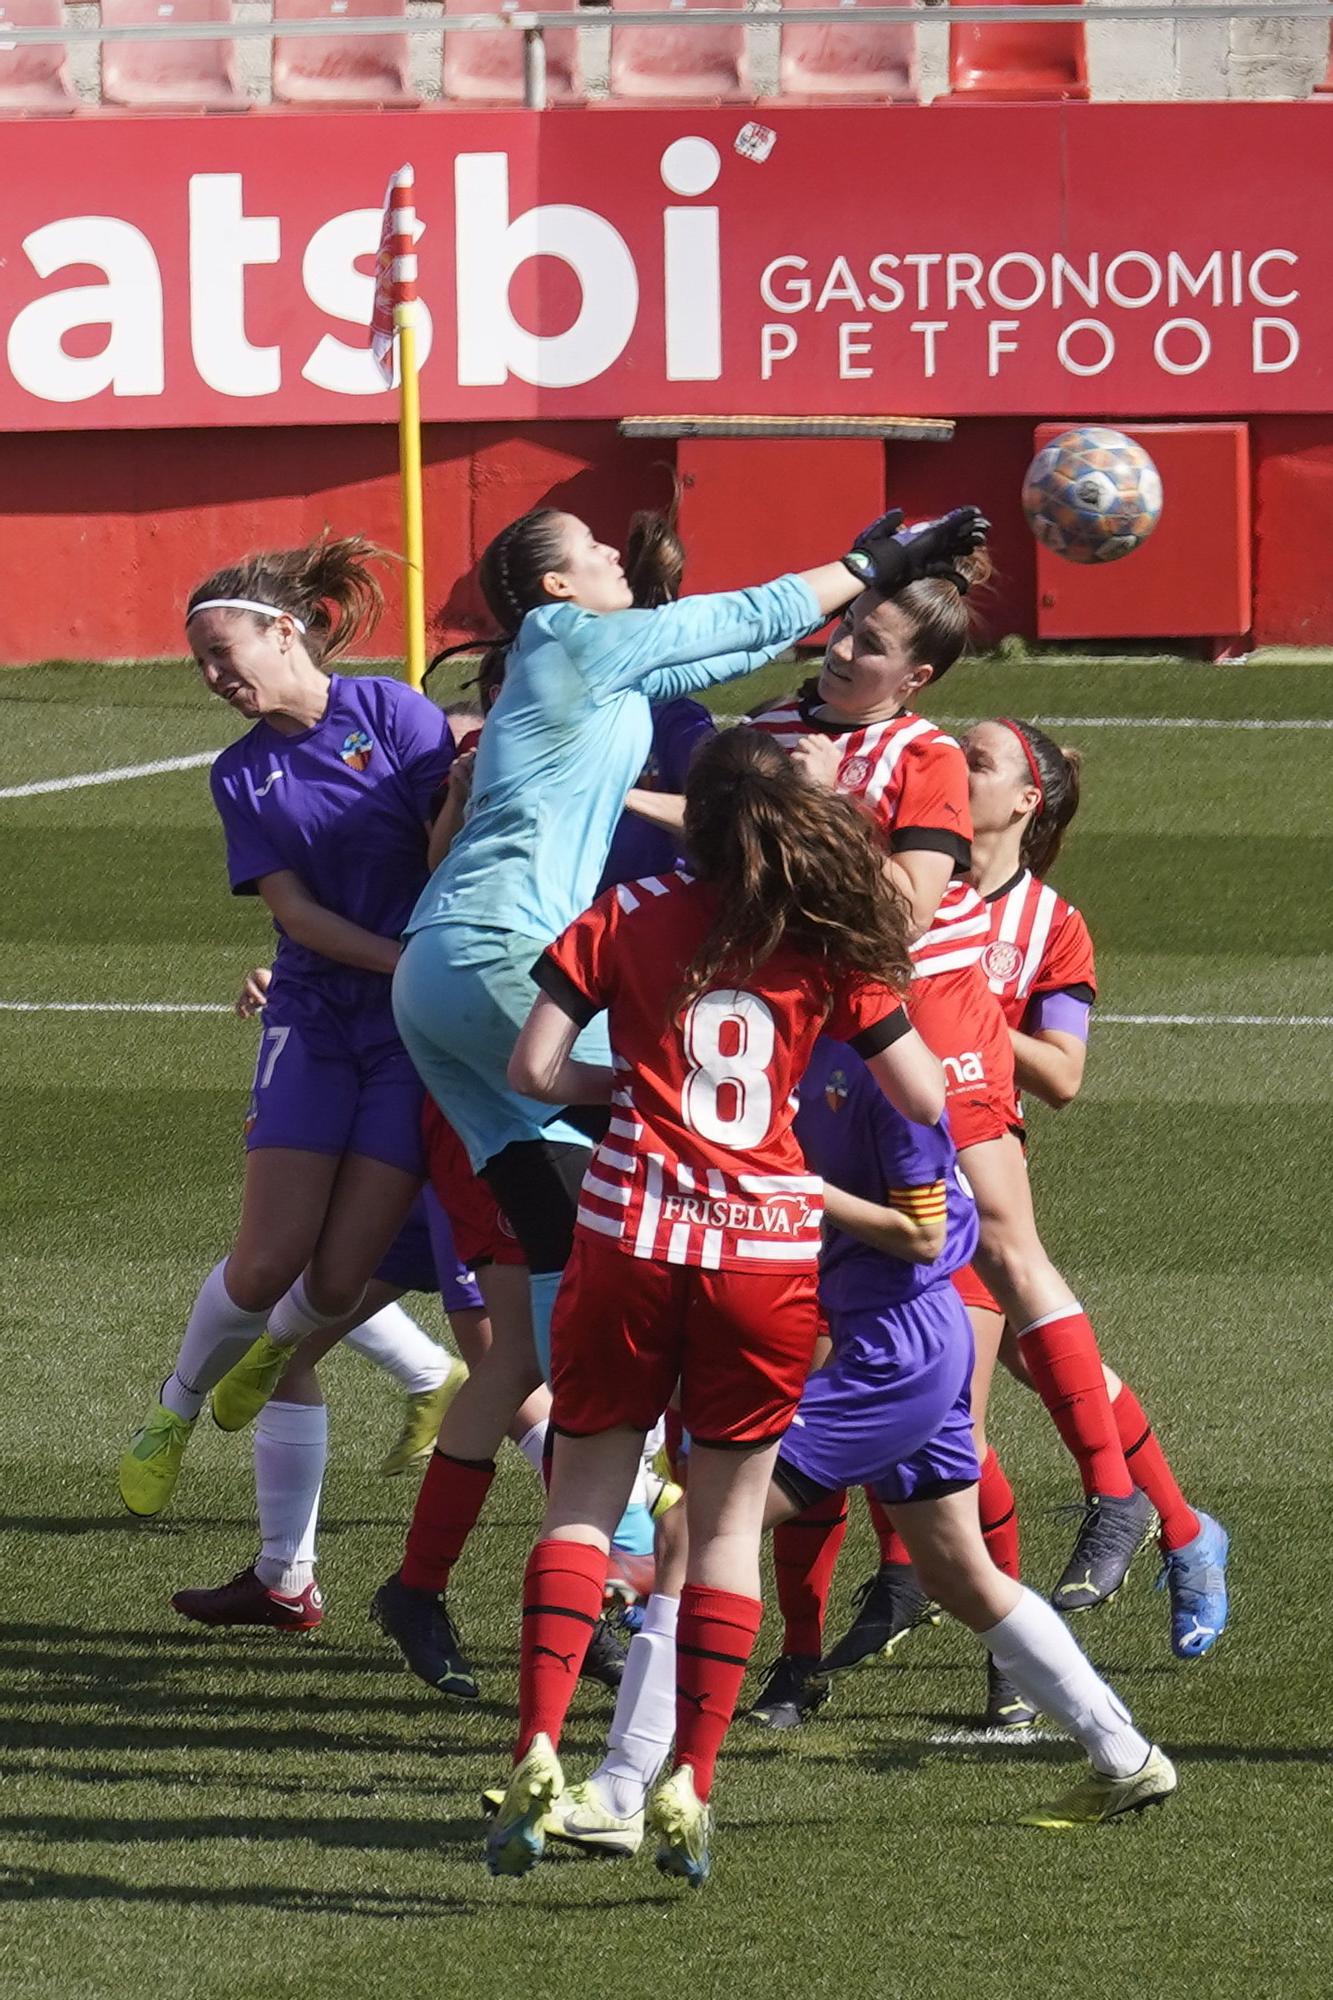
1214, 1020
114, 1007
1153, 721
81, 779
1103, 1020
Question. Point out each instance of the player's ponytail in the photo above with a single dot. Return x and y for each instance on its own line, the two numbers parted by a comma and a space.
1057, 773
514, 563
328, 586
942, 620
490, 674
791, 861
655, 557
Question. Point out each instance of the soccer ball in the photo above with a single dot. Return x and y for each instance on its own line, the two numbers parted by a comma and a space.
1092, 495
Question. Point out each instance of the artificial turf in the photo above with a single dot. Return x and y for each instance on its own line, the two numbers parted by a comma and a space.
230, 1815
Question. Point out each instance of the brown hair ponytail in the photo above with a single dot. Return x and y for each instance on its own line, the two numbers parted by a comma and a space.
943, 620
792, 862
655, 556
329, 585
1059, 773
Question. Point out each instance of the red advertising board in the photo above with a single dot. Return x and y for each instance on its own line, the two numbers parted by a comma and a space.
1154, 260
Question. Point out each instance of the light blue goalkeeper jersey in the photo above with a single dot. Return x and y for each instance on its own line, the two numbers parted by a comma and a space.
570, 735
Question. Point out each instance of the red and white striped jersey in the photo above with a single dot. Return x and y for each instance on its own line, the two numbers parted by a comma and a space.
700, 1164
913, 778
1038, 943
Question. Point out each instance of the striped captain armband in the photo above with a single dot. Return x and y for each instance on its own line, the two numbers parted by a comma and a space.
882, 1034
922, 1205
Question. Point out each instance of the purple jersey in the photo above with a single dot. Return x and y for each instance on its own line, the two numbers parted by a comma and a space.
852, 1136
344, 807
638, 849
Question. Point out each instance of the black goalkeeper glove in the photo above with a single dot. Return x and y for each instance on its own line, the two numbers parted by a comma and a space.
886, 556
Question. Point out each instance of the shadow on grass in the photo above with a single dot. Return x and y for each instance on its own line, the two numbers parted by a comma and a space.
378, 1833
185, 1644
47, 1885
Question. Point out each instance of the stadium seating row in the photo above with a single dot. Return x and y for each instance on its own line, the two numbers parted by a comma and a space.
840, 62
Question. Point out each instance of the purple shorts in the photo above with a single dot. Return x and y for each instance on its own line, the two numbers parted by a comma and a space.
330, 1079
422, 1258
892, 1408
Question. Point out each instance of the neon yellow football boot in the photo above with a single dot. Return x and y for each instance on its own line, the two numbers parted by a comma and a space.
1098, 1798
516, 1839
682, 1823
244, 1389
151, 1465
422, 1416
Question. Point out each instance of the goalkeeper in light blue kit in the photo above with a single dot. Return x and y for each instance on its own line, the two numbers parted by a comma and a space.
562, 747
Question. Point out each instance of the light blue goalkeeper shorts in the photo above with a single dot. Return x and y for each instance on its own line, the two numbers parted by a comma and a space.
460, 997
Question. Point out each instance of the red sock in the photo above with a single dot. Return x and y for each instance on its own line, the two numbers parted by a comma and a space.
562, 1601
1151, 1473
805, 1551
892, 1547
714, 1640
1066, 1369
999, 1515
452, 1496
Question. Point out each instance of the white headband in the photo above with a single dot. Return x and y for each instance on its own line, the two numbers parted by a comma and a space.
243, 604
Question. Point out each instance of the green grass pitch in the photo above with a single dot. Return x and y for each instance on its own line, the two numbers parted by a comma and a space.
226, 1816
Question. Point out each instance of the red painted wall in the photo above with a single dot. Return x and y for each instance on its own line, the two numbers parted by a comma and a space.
104, 535
1293, 530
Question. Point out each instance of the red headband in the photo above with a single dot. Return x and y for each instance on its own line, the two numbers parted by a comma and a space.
1026, 748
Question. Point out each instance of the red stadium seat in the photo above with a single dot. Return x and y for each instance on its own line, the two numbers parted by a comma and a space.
700, 65
34, 79
347, 69
1025, 65
488, 69
843, 62
173, 75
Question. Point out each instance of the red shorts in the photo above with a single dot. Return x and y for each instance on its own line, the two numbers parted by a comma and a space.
973, 1292
957, 1015
482, 1231
625, 1330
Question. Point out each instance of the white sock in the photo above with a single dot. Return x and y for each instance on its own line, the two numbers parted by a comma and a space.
645, 1718
216, 1336
392, 1339
1036, 1649
291, 1447
532, 1444
293, 1317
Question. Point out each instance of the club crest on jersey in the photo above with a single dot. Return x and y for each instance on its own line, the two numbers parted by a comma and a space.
1001, 961
357, 749
853, 773
835, 1090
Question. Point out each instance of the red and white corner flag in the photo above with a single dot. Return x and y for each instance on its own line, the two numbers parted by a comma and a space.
395, 267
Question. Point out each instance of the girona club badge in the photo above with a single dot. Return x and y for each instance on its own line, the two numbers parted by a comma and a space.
853, 774
1001, 961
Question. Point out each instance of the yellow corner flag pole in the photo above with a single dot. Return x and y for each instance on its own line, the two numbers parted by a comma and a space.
393, 325
409, 473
